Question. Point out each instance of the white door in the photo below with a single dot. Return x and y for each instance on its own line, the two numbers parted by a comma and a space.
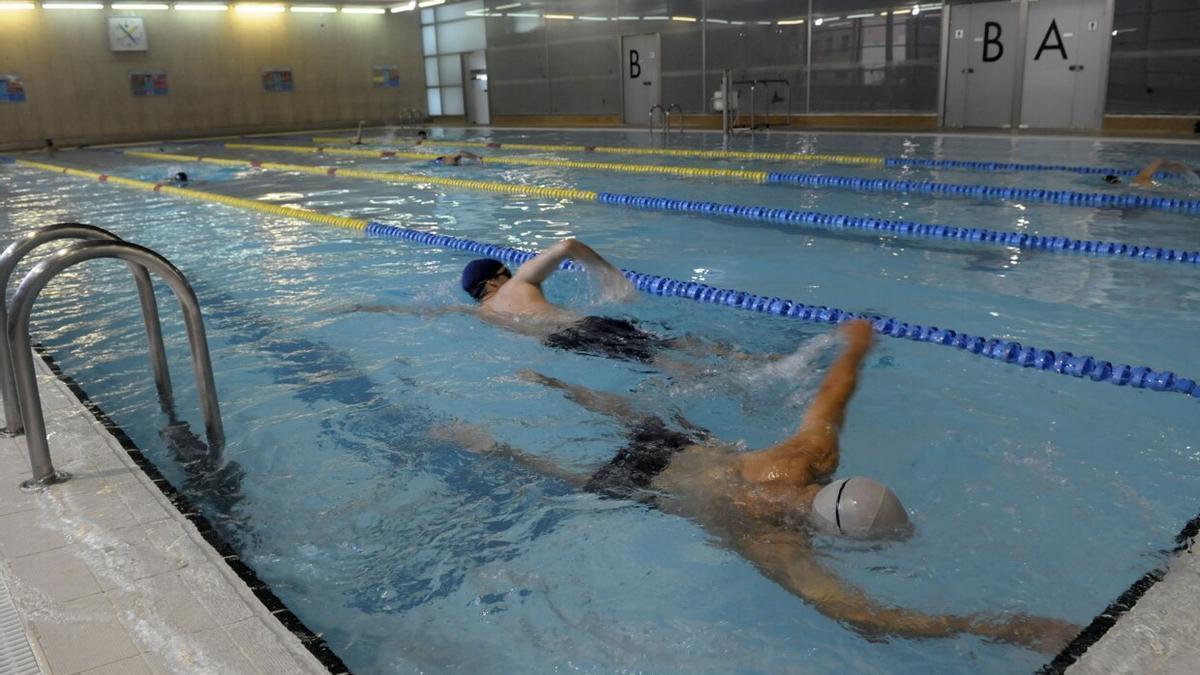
475, 89
981, 64
640, 63
1065, 64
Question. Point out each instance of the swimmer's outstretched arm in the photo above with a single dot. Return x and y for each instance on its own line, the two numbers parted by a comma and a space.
1146, 175
475, 438
786, 557
812, 453
547, 262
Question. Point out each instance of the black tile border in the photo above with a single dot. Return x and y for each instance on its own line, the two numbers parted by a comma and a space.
313, 642
1117, 608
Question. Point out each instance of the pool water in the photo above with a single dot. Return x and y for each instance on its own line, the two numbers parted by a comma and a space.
1031, 492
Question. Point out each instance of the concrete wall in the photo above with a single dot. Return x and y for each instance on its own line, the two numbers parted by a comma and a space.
78, 90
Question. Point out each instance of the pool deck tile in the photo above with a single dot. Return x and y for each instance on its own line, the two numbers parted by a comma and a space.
108, 577
1157, 636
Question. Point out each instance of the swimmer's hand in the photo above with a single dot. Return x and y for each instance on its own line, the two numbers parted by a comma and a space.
1039, 633
617, 289
858, 333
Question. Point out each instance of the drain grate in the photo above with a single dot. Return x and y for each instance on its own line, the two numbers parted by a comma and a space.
16, 658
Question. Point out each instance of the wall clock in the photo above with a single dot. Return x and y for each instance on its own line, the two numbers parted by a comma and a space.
127, 34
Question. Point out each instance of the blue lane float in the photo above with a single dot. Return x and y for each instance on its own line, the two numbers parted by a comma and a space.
1005, 351
901, 228
1064, 197
1009, 166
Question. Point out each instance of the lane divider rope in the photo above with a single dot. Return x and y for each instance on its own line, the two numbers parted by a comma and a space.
801, 219
739, 174
1062, 197
900, 162
971, 165
669, 152
1004, 351
237, 202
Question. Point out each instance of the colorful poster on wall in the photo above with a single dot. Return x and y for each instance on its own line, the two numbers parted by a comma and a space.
12, 89
277, 80
385, 77
148, 84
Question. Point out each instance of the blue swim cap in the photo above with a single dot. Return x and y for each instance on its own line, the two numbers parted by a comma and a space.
477, 272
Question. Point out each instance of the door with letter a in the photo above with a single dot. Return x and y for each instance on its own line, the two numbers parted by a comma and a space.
640, 63
981, 64
1065, 64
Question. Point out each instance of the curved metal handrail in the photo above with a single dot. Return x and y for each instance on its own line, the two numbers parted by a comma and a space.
674, 106
652, 109
26, 380
13, 255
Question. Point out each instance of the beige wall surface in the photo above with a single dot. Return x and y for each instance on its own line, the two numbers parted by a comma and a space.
78, 89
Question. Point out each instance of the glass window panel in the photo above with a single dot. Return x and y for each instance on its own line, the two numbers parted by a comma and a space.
434, 99
461, 36
431, 72
449, 70
429, 40
899, 42
452, 100
426, 16
459, 10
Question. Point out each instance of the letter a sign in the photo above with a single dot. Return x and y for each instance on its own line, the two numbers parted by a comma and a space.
1047, 45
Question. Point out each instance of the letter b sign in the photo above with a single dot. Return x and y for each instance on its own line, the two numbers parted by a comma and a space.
635, 69
992, 40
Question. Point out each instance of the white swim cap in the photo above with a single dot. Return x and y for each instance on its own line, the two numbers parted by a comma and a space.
860, 507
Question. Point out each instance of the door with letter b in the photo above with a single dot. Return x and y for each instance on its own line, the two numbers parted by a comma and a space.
981, 65
640, 63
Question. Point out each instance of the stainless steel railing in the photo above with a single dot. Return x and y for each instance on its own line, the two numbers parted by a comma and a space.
674, 106
17, 326
13, 255
661, 110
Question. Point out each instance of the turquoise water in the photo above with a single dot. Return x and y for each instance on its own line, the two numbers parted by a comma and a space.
1031, 492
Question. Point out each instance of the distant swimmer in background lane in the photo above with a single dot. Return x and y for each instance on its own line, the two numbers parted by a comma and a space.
458, 158
764, 504
1147, 176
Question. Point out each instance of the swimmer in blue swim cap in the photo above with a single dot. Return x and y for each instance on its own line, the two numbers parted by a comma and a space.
765, 504
516, 301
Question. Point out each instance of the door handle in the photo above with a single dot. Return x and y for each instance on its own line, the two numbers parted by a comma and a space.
646, 83
1076, 67
968, 70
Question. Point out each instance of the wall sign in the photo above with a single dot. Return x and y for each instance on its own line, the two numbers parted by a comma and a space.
385, 77
127, 34
148, 84
12, 89
275, 80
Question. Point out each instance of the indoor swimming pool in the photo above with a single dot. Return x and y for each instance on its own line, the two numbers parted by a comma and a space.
342, 357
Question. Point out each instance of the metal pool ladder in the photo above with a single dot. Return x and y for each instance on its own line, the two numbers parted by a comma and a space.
18, 381
676, 107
